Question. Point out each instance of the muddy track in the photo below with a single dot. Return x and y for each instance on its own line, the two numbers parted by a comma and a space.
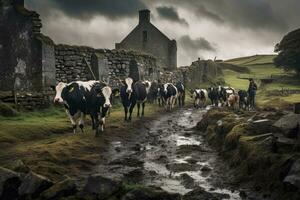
169, 154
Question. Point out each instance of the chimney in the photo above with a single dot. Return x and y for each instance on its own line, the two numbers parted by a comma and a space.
144, 16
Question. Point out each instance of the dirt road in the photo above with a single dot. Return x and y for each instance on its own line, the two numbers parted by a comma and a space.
168, 153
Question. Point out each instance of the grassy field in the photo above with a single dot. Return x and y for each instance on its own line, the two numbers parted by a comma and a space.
260, 66
44, 141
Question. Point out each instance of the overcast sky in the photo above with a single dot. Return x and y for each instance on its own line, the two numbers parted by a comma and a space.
202, 28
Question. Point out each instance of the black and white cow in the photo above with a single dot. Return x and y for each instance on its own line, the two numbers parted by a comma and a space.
169, 95
244, 100
84, 97
160, 94
181, 93
199, 96
224, 93
213, 95
133, 93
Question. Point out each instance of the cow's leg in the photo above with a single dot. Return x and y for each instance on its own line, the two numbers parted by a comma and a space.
95, 114
131, 109
138, 109
143, 108
73, 120
125, 112
103, 115
81, 121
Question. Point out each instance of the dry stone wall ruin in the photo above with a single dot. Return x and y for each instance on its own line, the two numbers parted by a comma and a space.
30, 62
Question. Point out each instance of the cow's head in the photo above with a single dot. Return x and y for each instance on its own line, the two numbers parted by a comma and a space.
106, 91
166, 88
59, 88
128, 83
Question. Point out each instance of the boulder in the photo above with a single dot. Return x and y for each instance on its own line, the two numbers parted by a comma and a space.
187, 181
61, 189
261, 126
150, 193
293, 177
19, 166
9, 184
101, 186
33, 184
200, 194
288, 121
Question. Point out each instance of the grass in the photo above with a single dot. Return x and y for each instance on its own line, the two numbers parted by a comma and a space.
44, 141
261, 66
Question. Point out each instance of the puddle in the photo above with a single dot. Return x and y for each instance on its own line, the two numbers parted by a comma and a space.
174, 158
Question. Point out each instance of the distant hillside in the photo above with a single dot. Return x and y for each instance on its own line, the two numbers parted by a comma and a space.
252, 60
237, 71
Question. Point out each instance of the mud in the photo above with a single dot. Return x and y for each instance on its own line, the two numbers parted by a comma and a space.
167, 153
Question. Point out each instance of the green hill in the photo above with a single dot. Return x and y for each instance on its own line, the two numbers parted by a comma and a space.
273, 81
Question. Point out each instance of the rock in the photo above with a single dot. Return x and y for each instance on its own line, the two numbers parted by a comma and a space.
243, 194
127, 161
134, 176
187, 181
200, 194
206, 168
19, 166
9, 184
61, 189
181, 167
260, 126
101, 186
288, 121
33, 184
293, 176
150, 193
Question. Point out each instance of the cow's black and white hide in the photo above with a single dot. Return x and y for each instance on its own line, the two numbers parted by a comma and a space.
213, 95
199, 96
224, 93
131, 94
85, 97
244, 100
169, 95
181, 94
160, 94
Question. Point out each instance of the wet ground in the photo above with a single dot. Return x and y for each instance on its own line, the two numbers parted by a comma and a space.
169, 154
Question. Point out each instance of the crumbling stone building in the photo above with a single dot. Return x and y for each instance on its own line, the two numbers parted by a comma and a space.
27, 61
145, 37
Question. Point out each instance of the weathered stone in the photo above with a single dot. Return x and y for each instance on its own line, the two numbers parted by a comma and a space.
9, 184
64, 188
293, 176
33, 184
150, 193
19, 166
102, 186
288, 122
200, 194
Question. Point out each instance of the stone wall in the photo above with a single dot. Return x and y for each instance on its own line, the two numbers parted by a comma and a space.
200, 71
21, 49
106, 65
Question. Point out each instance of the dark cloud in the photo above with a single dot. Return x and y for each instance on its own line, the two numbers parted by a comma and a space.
202, 11
270, 15
197, 44
87, 9
170, 13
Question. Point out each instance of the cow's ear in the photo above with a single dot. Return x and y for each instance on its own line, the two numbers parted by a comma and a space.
122, 82
52, 87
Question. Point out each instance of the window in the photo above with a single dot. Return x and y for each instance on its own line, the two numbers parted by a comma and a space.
145, 36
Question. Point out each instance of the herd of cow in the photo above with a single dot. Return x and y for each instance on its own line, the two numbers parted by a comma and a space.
94, 98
